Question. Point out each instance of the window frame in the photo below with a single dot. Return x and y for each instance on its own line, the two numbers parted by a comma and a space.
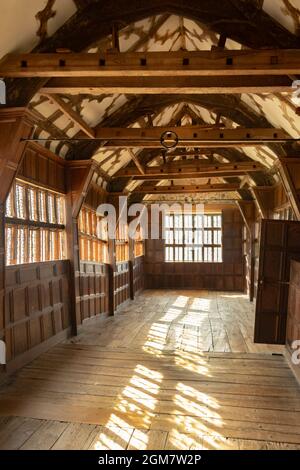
30, 222
197, 231
139, 245
92, 248
122, 243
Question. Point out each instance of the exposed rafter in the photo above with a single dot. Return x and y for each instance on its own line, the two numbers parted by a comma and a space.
231, 155
189, 169
136, 160
230, 106
48, 126
263, 199
244, 22
72, 115
289, 174
182, 189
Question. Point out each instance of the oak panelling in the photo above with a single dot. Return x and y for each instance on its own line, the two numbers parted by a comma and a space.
232, 225
247, 211
138, 274
288, 169
93, 289
228, 275
42, 167
15, 124
78, 178
293, 319
95, 196
282, 210
121, 284
278, 247
280, 198
93, 279
257, 224
36, 306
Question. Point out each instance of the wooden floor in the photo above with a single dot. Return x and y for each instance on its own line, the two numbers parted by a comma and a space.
173, 370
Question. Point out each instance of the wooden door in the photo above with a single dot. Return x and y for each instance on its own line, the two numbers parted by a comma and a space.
279, 244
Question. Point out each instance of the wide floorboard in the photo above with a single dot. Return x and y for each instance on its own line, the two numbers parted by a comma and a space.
172, 370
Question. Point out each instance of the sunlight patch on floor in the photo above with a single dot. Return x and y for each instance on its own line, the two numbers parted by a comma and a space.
193, 418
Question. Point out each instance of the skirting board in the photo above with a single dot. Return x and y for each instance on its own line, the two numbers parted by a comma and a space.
33, 353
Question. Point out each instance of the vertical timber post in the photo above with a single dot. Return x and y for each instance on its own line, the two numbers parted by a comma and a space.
16, 124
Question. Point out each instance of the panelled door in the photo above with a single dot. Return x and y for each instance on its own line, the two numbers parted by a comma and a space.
279, 244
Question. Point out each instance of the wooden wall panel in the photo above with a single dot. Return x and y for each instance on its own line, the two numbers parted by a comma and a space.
40, 166
282, 210
93, 288
138, 274
95, 196
15, 124
293, 320
280, 198
36, 307
257, 225
121, 284
228, 275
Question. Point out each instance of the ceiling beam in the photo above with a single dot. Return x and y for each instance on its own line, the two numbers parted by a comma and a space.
137, 162
290, 177
190, 133
230, 106
72, 115
198, 154
149, 64
244, 22
183, 137
190, 168
183, 189
263, 197
171, 85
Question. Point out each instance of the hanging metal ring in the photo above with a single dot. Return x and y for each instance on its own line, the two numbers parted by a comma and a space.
169, 139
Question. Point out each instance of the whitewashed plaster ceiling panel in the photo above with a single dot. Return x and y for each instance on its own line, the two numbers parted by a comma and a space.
23, 36
112, 161
95, 110
277, 109
262, 154
286, 12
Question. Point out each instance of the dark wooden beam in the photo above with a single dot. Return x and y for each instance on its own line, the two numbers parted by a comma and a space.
190, 169
171, 85
190, 135
289, 172
263, 197
78, 178
152, 64
15, 124
247, 210
243, 22
115, 37
182, 137
179, 189
137, 162
67, 110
